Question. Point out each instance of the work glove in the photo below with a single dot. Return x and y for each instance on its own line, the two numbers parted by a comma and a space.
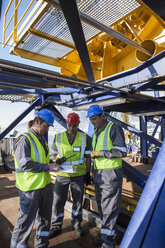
94, 154
87, 179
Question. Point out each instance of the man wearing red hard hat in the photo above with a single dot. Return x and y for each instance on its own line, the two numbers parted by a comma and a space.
76, 146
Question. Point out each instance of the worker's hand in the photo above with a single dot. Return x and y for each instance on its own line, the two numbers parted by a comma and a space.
94, 154
54, 166
87, 179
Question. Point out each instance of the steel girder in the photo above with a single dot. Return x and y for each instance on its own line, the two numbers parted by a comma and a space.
146, 228
19, 118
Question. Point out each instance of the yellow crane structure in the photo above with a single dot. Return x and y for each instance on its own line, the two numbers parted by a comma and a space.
105, 51
119, 35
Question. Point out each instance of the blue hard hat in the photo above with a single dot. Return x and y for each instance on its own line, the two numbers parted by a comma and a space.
94, 110
46, 115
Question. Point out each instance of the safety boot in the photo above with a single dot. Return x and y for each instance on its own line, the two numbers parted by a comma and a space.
54, 232
110, 245
78, 230
108, 242
98, 241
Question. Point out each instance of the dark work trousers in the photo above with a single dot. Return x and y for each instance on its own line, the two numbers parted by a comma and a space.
33, 204
60, 197
108, 185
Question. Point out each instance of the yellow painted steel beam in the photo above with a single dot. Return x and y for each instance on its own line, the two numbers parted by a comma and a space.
6, 26
109, 66
127, 207
131, 193
160, 20
89, 188
151, 30
15, 16
15, 20
4, 23
36, 57
28, 95
63, 63
41, 7
51, 38
129, 200
47, 60
89, 192
96, 24
16, 33
8, 7
92, 187
30, 4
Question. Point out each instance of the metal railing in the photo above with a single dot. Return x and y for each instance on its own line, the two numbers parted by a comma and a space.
14, 16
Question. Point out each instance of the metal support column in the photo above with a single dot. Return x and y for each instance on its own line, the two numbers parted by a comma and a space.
57, 115
163, 128
19, 118
143, 142
146, 228
134, 175
139, 133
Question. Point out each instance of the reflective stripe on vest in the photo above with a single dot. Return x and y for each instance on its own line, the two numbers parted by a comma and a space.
16, 244
27, 180
66, 150
104, 142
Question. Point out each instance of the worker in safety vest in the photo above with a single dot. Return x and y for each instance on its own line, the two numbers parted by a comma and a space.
34, 182
66, 144
108, 149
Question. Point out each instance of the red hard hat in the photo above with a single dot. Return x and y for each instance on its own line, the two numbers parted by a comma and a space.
73, 118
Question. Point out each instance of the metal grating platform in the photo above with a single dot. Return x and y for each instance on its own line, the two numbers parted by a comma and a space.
15, 98
53, 23
44, 47
109, 11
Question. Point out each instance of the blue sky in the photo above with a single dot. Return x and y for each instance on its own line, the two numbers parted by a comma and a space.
9, 111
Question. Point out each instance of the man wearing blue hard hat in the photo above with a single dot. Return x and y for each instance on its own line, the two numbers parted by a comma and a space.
109, 147
34, 182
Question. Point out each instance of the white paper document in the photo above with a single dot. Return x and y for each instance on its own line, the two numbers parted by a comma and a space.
66, 168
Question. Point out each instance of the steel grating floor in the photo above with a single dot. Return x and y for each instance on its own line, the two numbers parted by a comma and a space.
15, 98
53, 23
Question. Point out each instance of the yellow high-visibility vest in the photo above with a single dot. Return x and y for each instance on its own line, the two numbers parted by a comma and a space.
66, 150
104, 143
28, 180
